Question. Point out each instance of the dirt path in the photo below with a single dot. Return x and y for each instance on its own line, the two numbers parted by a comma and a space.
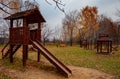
34, 73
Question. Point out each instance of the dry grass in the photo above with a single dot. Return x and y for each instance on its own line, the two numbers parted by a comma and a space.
71, 56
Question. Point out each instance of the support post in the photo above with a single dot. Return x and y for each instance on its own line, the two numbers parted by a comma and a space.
97, 47
108, 47
11, 55
39, 32
39, 39
11, 46
39, 56
25, 39
101, 47
25, 51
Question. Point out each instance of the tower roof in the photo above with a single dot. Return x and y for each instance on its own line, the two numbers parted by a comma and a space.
32, 15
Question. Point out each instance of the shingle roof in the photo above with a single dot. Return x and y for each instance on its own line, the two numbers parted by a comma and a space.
103, 37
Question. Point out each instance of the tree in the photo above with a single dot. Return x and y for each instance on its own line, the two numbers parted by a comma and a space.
107, 26
57, 34
89, 22
118, 13
118, 21
10, 6
7, 5
70, 25
46, 33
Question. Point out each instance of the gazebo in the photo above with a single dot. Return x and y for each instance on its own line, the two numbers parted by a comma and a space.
104, 44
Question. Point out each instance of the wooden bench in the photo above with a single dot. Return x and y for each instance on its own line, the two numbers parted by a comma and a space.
114, 48
62, 45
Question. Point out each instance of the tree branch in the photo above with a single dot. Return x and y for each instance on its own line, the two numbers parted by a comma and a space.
48, 2
58, 3
4, 10
6, 5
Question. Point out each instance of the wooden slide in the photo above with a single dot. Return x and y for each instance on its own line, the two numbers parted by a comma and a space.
59, 65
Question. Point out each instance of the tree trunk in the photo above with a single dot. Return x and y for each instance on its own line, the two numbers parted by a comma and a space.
71, 41
44, 41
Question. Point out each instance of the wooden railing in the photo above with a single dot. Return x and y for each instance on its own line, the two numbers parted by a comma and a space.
19, 35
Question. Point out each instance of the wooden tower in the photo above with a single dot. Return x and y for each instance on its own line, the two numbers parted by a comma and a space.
21, 36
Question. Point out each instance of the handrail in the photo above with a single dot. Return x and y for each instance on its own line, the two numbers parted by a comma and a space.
4, 47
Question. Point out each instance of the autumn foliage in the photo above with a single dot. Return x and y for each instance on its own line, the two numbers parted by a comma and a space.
89, 21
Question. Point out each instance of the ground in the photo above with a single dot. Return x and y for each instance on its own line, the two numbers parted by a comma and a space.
34, 73
48, 71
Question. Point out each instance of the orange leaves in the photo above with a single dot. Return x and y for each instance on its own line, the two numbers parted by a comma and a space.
89, 20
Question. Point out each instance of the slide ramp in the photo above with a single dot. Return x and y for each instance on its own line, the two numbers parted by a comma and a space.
59, 65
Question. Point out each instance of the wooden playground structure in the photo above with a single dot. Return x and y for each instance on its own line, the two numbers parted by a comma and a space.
23, 36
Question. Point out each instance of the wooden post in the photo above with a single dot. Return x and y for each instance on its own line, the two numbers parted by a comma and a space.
39, 56
11, 26
39, 32
101, 47
39, 39
11, 46
25, 45
110, 46
97, 47
25, 51
11, 55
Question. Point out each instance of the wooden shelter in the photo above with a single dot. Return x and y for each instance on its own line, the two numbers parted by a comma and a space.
22, 35
104, 44
84, 43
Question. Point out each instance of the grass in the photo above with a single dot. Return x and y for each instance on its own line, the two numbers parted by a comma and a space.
88, 58
74, 56
3, 76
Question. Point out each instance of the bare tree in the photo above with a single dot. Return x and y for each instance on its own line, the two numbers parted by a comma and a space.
118, 21
118, 13
10, 6
46, 33
57, 33
70, 25
5, 5
58, 4
107, 26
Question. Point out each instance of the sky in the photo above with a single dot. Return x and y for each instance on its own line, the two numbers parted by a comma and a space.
54, 16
